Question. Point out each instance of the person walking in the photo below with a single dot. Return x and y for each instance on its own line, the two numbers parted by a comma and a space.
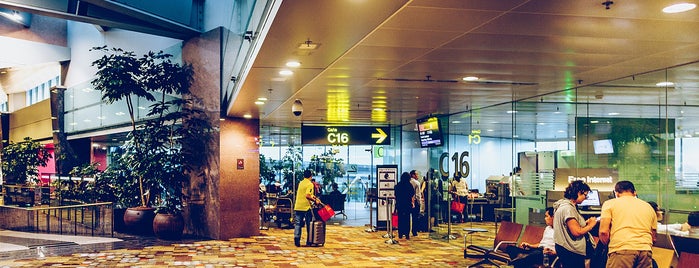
570, 228
628, 226
404, 193
415, 213
459, 191
302, 206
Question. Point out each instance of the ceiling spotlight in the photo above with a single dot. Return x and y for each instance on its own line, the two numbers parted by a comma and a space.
470, 78
681, 7
286, 72
293, 64
665, 84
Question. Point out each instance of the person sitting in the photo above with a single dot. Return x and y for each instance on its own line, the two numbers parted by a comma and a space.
673, 229
335, 190
528, 255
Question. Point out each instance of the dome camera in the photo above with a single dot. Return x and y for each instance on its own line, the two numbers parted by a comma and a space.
297, 107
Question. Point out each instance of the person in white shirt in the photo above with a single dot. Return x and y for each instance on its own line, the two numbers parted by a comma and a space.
673, 229
528, 255
417, 200
459, 191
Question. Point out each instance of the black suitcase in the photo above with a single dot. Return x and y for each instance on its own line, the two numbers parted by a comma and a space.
316, 235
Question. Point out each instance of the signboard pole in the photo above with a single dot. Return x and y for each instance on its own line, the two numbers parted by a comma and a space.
387, 177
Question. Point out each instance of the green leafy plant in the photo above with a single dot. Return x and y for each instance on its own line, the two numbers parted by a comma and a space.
21, 161
166, 148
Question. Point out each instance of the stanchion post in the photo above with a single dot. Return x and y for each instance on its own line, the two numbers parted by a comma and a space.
389, 222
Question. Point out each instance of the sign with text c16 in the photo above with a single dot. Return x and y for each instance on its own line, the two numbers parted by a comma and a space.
345, 135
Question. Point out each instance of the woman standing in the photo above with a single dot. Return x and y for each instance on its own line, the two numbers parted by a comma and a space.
405, 194
570, 228
459, 191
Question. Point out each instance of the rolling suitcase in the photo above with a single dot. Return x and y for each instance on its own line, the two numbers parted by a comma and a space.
316, 234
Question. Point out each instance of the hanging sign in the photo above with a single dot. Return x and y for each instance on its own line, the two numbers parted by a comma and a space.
345, 135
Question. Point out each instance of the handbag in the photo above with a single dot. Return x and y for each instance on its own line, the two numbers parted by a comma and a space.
394, 220
457, 206
325, 212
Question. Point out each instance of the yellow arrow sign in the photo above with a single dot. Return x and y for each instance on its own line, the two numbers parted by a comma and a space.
380, 136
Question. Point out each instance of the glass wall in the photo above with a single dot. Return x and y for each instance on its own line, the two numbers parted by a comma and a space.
520, 156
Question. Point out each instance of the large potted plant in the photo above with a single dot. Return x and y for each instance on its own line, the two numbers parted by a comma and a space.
165, 149
20, 163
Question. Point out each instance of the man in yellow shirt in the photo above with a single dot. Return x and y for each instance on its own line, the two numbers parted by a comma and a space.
302, 206
628, 225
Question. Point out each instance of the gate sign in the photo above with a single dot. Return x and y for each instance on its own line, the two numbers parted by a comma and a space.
345, 135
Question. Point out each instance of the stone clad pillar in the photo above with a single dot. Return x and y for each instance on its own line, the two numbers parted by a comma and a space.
224, 202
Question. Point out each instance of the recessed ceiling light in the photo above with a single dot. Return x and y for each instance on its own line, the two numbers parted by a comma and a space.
489, 130
248, 116
259, 102
511, 112
677, 8
293, 64
456, 122
613, 114
470, 78
665, 84
262, 99
286, 72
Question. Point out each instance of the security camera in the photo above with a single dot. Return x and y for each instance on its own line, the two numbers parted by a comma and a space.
297, 107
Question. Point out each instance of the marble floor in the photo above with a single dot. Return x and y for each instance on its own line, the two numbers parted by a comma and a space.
348, 244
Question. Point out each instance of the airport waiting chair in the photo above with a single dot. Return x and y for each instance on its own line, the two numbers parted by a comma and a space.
532, 235
508, 232
688, 260
663, 257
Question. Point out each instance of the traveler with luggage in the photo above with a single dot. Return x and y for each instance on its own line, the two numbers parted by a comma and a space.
303, 215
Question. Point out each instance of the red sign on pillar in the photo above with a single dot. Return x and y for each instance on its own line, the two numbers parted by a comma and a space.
241, 163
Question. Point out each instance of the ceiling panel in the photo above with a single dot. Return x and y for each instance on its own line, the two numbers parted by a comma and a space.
411, 58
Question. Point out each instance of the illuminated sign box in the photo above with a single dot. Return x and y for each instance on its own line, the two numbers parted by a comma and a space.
345, 135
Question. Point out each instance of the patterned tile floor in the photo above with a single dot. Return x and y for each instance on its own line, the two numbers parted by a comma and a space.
346, 246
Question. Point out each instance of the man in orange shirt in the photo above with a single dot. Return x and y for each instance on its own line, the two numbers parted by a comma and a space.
628, 226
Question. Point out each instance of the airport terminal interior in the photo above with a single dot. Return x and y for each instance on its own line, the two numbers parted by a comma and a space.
207, 113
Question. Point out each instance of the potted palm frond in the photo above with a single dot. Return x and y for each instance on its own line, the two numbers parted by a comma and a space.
163, 150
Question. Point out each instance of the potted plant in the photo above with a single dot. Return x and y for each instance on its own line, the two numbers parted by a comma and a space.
165, 149
20, 162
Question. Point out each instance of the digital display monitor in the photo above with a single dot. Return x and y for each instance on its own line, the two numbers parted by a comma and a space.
603, 146
592, 200
429, 132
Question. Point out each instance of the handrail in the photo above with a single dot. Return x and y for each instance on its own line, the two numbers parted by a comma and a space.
82, 219
57, 207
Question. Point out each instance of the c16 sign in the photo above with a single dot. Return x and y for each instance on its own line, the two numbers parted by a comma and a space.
345, 135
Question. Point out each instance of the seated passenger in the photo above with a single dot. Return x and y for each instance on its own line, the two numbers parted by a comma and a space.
673, 229
528, 255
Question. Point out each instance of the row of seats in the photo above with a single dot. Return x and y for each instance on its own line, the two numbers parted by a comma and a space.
686, 249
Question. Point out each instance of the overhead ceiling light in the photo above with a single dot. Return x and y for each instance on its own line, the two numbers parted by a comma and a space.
677, 8
248, 116
511, 112
613, 114
293, 64
665, 84
470, 78
286, 72
262, 99
259, 102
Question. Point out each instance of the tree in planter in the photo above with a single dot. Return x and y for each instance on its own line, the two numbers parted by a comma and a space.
165, 150
20, 161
